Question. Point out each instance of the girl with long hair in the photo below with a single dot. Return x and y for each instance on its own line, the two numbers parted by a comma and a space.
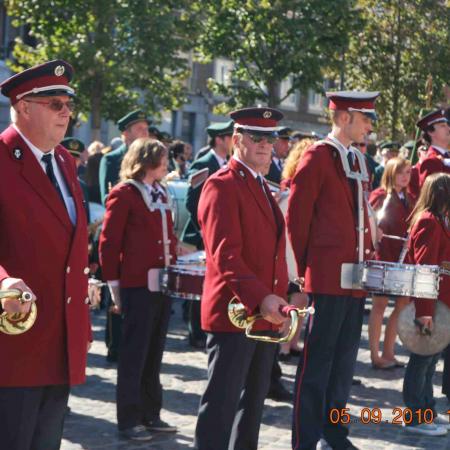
429, 243
393, 205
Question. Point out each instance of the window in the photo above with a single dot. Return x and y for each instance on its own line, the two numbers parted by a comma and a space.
188, 127
222, 71
316, 100
290, 102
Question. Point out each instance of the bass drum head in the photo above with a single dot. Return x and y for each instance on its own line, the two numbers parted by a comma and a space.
290, 259
420, 344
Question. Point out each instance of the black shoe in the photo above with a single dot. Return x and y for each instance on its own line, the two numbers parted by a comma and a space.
137, 433
159, 425
112, 357
296, 353
346, 445
279, 393
356, 382
284, 357
197, 343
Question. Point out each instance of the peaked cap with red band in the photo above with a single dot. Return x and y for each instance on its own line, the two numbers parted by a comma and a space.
437, 116
261, 119
48, 79
360, 101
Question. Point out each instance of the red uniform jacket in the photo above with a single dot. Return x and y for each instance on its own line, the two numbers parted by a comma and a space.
393, 222
40, 245
322, 222
433, 163
429, 243
245, 246
131, 241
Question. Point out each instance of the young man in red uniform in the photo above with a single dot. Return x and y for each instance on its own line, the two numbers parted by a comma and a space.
243, 233
323, 226
436, 132
44, 250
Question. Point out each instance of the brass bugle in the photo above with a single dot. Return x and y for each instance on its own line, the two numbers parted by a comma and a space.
239, 317
17, 323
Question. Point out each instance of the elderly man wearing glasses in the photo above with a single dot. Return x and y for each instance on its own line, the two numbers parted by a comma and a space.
243, 232
43, 250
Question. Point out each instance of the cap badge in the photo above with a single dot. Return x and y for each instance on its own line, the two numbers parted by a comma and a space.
59, 70
267, 114
17, 152
74, 145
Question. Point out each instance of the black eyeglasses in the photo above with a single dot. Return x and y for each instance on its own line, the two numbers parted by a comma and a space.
55, 104
257, 138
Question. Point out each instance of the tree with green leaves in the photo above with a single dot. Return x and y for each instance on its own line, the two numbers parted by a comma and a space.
399, 44
123, 52
269, 41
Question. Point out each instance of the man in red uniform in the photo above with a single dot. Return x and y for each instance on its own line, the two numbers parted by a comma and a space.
436, 132
325, 233
243, 233
44, 250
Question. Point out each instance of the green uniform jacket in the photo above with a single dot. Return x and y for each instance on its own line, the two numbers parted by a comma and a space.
191, 233
108, 174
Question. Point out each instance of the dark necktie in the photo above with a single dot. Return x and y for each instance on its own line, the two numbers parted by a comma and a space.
156, 194
404, 201
261, 183
47, 160
351, 160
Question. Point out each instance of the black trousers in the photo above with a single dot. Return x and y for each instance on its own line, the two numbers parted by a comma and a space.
276, 373
446, 373
145, 321
231, 407
325, 371
32, 418
113, 328
194, 322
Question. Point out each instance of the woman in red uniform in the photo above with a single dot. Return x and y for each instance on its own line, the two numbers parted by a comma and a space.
137, 240
393, 205
429, 243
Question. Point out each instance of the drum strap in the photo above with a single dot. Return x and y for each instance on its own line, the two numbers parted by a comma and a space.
359, 177
162, 208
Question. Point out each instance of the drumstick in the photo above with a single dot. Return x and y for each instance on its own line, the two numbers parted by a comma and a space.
398, 238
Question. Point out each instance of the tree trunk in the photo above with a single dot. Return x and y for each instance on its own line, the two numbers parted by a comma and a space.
96, 115
272, 92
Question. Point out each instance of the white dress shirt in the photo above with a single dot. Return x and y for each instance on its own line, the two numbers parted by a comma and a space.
67, 196
221, 161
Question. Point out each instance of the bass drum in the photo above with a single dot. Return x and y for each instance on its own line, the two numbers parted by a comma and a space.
177, 190
290, 259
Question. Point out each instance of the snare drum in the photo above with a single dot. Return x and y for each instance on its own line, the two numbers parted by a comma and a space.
387, 278
196, 258
185, 278
183, 281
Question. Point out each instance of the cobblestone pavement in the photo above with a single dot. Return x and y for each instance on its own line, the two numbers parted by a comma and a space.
92, 421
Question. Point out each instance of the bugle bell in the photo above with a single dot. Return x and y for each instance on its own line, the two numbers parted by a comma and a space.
17, 323
239, 317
